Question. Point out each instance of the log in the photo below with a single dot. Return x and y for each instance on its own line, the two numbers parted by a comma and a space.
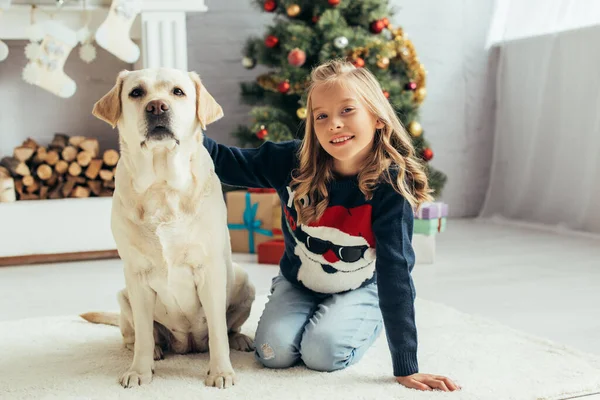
44, 192
84, 158
7, 190
95, 187
40, 155
23, 153
56, 193
108, 184
80, 180
59, 142
19, 186
29, 196
44, 172
29, 142
34, 187
91, 145
28, 180
61, 167
75, 141
69, 153
111, 157
15, 167
106, 175
75, 169
106, 193
81, 192
52, 157
68, 186
4, 173
51, 182
93, 169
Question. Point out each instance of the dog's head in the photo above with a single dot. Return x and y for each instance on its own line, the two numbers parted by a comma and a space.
157, 106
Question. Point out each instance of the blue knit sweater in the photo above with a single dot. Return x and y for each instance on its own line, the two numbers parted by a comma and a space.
355, 242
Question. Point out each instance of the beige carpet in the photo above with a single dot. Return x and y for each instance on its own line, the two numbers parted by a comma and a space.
67, 358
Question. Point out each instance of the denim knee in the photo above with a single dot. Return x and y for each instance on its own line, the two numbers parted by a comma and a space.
275, 348
321, 351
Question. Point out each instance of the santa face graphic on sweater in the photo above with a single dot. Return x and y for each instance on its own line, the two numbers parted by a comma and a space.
338, 251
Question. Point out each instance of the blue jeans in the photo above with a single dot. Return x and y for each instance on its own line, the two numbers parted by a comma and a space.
326, 332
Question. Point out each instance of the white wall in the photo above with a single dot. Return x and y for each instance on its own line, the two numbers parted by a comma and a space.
449, 37
457, 115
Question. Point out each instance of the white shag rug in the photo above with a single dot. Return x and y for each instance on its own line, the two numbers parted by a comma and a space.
68, 358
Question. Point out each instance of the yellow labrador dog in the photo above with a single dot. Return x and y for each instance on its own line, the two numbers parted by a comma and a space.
183, 293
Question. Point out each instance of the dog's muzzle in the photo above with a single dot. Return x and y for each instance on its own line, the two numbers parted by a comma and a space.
158, 122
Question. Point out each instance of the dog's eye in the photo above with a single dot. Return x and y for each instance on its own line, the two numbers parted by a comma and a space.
136, 93
178, 92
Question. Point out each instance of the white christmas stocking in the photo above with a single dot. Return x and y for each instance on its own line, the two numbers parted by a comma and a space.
3, 51
47, 59
113, 34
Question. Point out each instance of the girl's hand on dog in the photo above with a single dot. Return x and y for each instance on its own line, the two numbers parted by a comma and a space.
428, 382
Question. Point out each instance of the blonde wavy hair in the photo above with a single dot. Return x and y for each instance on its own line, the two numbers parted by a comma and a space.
392, 148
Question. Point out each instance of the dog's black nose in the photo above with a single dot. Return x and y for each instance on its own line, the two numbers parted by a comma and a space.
157, 107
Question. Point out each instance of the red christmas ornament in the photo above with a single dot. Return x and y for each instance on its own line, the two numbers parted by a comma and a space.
358, 62
377, 26
261, 134
333, 2
386, 94
427, 154
411, 86
386, 22
270, 6
271, 41
283, 87
315, 19
297, 57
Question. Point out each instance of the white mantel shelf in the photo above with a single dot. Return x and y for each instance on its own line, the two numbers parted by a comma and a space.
160, 28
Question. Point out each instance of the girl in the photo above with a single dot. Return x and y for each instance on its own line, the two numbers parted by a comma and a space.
347, 191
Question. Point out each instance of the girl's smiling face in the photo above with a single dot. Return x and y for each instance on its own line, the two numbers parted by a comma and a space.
344, 126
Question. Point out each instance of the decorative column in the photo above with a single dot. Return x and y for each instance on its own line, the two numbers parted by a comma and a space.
164, 40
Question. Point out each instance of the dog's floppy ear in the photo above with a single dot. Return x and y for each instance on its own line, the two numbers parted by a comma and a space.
108, 108
207, 108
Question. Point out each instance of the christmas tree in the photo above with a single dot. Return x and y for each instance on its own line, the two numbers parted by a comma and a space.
306, 33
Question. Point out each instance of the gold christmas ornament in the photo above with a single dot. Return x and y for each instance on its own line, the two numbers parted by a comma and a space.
293, 10
301, 113
383, 62
420, 94
415, 128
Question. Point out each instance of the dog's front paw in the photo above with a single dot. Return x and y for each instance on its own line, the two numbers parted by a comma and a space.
241, 342
221, 380
133, 378
158, 353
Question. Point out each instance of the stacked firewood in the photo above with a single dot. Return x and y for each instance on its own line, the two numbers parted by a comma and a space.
67, 167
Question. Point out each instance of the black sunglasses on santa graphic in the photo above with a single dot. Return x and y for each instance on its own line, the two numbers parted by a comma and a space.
347, 254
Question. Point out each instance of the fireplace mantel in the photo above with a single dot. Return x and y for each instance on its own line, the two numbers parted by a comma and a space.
160, 28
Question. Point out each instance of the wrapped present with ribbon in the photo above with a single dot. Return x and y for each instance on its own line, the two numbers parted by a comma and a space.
271, 252
432, 210
429, 226
250, 219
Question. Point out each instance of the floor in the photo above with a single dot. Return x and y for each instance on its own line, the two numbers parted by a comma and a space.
532, 280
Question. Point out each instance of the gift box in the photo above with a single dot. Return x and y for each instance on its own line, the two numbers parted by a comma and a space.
432, 210
429, 226
424, 248
271, 252
250, 219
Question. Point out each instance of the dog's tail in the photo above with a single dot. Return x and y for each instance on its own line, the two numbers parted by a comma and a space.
102, 318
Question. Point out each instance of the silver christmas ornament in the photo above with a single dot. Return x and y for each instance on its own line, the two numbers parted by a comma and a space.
248, 62
340, 42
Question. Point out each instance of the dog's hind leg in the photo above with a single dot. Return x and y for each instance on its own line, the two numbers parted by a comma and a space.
127, 330
242, 297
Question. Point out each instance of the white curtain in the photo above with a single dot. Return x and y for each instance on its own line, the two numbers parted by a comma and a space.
546, 162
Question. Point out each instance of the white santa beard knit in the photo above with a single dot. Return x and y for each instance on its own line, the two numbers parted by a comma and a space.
113, 34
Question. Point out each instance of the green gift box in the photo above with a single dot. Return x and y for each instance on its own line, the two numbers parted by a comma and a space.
429, 226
